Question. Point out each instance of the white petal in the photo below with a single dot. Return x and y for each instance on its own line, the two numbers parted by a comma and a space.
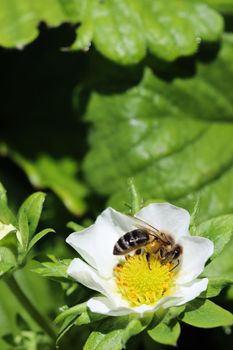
107, 306
182, 295
196, 251
166, 217
95, 244
103, 305
87, 276
187, 292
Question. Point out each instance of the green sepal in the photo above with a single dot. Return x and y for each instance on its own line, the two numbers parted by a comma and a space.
113, 332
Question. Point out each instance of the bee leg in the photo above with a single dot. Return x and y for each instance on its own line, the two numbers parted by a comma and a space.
178, 261
148, 260
138, 252
163, 256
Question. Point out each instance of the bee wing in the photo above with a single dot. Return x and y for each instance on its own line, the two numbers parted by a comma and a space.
151, 230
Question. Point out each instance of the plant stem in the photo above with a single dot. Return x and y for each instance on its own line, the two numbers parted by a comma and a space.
30, 308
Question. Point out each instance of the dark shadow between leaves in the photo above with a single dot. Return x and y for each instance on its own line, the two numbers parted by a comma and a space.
183, 67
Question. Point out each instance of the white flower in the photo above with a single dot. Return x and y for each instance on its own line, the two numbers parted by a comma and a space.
111, 275
6, 229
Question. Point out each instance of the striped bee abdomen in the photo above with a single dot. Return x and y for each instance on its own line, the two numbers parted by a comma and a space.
130, 241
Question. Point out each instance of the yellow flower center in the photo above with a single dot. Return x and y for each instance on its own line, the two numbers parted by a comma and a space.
143, 280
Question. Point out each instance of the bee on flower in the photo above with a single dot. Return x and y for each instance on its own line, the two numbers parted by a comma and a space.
142, 263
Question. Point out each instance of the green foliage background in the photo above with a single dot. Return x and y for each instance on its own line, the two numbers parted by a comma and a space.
94, 92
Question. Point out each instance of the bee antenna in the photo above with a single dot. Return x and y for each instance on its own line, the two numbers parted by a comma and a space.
178, 262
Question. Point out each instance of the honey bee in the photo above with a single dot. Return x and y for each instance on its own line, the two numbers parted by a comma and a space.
152, 240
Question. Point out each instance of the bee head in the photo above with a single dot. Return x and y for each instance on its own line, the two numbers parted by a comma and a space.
177, 251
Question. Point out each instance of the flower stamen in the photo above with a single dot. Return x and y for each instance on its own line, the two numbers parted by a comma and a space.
143, 279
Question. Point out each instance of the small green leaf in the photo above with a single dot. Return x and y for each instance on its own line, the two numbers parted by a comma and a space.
223, 6
167, 334
6, 216
206, 314
11, 242
68, 318
66, 326
72, 311
32, 207
38, 236
219, 230
74, 226
215, 285
7, 260
72, 317
55, 270
23, 228
57, 175
88, 317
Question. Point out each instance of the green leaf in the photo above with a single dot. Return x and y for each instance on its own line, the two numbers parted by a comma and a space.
32, 207
146, 28
55, 269
38, 236
219, 272
224, 6
23, 228
72, 311
114, 332
74, 226
206, 314
167, 331
219, 230
7, 260
167, 334
40, 292
68, 319
11, 242
88, 317
163, 137
6, 216
57, 175
215, 285
222, 266
77, 315
121, 30
19, 20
